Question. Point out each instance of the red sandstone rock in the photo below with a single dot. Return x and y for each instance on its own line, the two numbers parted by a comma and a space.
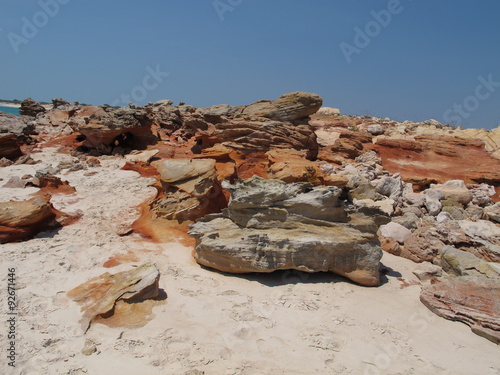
20, 220
99, 295
471, 300
431, 159
8, 147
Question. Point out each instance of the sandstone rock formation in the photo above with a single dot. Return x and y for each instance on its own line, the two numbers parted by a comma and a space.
481, 238
107, 129
270, 225
20, 220
9, 148
429, 159
11, 123
99, 295
288, 107
31, 108
189, 190
471, 300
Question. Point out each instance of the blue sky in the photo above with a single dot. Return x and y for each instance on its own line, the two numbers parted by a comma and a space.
427, 61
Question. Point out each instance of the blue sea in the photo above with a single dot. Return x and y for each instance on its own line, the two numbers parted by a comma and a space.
14, 111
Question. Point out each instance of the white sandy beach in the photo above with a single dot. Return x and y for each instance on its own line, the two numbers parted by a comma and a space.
10, 105
280, 323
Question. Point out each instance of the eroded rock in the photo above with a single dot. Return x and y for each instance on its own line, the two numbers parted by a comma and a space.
270, 225
471, 300
99, 295
20, 220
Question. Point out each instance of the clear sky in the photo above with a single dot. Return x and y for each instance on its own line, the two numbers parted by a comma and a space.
407, 59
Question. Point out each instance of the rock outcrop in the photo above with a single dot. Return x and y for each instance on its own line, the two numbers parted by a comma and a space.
471, 300
188, 190
9, 148
20, 220
99, 295
288, 107
270, 225
107, 129
31, 108
430, 159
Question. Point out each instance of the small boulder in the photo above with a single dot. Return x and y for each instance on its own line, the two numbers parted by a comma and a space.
433, 201
375, 129
288, 107
31, 108
471, 300
21, 220
9, 148
395, 231
493, 212
462, 263
99, 295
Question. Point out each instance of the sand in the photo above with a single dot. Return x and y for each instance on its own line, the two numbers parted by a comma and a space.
280, 323
10, 105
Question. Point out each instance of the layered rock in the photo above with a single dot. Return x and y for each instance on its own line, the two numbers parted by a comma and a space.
99, 295
288, 107
106, 129
428, 159
11, 124
261, 135
481, 238
471, 300
9, 148
20, 220
189, 190
31, 108
270, 225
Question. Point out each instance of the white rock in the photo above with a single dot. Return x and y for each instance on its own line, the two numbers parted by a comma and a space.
395, 231
432, 201
443, 217
493, 212
375, 129
144, 156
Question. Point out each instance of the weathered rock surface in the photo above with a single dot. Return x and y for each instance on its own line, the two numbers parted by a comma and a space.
9, 148
462, 263
481, 238
395, 231
270, 225
261, 135
30, 107
106, 128
288, 107
454, 190
99, 295
189, 189
11, 123
142, 157
493, 212
20, 220
471, 300
429, 159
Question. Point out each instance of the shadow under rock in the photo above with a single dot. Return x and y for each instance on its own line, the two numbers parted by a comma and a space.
386, 272
286, 277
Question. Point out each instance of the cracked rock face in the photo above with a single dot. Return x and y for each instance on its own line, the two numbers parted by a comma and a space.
270, 225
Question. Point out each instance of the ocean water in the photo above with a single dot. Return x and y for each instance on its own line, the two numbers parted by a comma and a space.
14, 111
